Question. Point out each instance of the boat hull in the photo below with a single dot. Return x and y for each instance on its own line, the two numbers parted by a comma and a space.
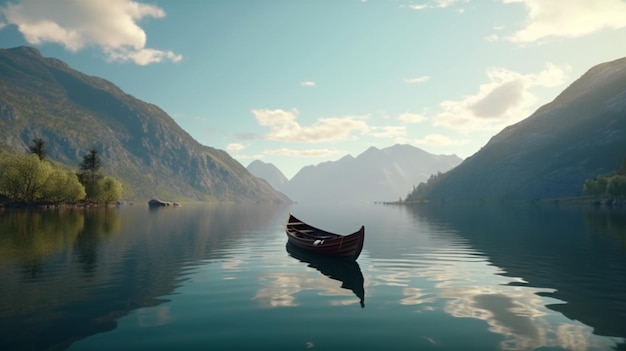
319, 241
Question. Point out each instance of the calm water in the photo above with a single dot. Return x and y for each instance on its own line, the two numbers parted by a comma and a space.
221, 278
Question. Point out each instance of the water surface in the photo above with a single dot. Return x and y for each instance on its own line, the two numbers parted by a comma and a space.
221, 277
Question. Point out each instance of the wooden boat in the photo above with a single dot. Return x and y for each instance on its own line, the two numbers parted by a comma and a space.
346, 271
316, 240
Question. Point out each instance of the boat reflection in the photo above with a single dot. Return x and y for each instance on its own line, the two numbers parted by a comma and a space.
348, 272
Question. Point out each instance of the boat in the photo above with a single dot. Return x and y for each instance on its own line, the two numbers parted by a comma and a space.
319, 241
348, 272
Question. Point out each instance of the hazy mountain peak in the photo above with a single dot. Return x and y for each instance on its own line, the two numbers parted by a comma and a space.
256, 163
374, 175
371, 149
269, 172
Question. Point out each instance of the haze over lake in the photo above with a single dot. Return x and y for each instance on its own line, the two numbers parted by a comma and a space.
219, 277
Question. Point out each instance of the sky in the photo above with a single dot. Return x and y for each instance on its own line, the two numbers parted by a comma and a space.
300, 82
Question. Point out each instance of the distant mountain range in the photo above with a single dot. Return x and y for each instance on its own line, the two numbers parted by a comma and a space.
374, 175
581, 134
138, 142
269, 173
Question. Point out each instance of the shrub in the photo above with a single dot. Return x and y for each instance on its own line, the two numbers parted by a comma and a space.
62, 186
107, 190
22, 177
28, 179
617, 186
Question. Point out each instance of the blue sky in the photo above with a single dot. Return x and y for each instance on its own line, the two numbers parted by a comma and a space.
299, 82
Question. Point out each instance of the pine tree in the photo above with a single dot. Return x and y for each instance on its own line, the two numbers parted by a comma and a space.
90, 167
38, 148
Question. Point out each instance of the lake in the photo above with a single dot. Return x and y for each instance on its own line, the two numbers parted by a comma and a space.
430, 277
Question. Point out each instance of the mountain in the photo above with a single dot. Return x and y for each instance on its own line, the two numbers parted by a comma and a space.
374, 175
138, 142
581, 134
268, 172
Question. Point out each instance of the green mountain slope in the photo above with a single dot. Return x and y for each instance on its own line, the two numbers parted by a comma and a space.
581, 134
138, 142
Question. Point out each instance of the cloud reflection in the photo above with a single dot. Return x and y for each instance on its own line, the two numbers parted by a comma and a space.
453, 278
280, 289
519, 315
153, 316
415, 296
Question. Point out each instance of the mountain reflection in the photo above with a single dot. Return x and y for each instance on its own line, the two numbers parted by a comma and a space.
461, 283
70, 274
441, 277
574, 257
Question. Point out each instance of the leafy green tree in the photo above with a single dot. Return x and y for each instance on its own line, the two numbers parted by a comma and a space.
63, 186
622, 169
22, 177
107, 190
29, 179
616, 186
595, 186
39, 148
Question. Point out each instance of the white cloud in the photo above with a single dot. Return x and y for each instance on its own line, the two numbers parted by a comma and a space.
303, 153
412, 118
416, 80
438, 140
142, 57
308, 83
394, 132
568, 18
505, 99
436, 4
110, 25
235, 147
552, 76
284, 127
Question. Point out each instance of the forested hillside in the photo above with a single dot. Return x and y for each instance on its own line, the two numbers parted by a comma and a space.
138, 142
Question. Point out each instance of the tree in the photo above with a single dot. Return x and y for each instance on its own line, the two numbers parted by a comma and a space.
622, 169
89, 174
38, 148
90, 168
108, 190
22, 178
617, 186
62, 186
614, 185
595, 186
98, 188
